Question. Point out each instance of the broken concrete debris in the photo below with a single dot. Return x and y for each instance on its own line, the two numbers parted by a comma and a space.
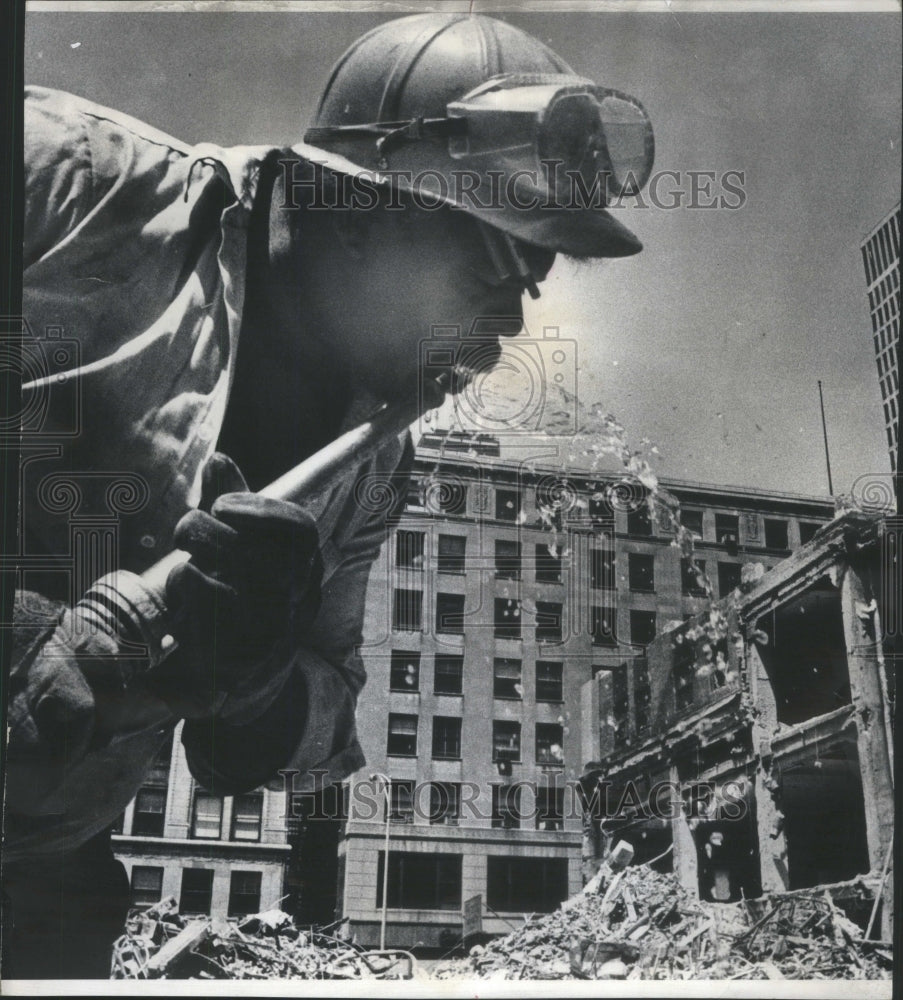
160, 943
630, 923
642, 924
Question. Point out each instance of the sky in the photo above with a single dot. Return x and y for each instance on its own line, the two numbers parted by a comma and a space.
709, 343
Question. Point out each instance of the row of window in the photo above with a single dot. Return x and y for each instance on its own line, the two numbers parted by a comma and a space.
407, 616
508, 810
448, 676
429, 881
451, 616
451, 549
446, 739
197, 890
206, 815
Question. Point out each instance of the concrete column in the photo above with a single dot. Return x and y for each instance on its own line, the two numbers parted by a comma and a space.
769, 829
866, 687
685, 861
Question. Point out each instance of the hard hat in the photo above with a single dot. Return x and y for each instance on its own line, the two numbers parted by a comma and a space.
469, 111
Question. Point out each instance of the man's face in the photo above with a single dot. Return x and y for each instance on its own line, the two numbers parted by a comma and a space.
409, 272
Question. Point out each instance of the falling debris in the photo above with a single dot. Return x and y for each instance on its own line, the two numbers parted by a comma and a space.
637, 923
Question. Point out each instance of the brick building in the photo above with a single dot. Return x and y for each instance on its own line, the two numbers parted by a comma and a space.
479, 639
224, 856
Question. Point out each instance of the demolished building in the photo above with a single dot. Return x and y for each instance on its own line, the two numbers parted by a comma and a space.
751, 749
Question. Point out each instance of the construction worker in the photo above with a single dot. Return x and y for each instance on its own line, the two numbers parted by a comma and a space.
201, 319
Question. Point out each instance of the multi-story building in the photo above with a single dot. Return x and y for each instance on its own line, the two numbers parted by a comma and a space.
505, 589
881, 257
752, 750
219, 855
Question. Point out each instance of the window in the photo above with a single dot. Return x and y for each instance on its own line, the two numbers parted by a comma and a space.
602, 569
445, 802
692, 577
601, 511
207, 816
146, 885
548, 566
402, 741
507, 505
620, 703
641, 572
507, 559
639, 523
505, 741
451, 553
507, 618
197, 890
728, 578
450, 614
603, 625
402, 796
506, 678
404, 671
420, 881
409, 549
642, 693
446, 738
247, 816
244, 893
149, 805
775, 534
549, 808
548, 621
526, 885
549, 743
448, 674
407, 610
807, 531
692, 521
159, 769
506, 810
642, 627
727, 529
549, 681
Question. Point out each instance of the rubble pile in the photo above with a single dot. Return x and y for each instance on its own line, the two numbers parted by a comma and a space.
161, 943
640, 924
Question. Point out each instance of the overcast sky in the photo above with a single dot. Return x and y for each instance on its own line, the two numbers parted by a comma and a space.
712, 340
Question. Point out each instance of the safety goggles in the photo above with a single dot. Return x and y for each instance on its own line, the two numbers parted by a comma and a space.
550, 125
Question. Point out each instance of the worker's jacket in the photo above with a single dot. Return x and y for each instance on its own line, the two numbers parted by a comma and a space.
135, 259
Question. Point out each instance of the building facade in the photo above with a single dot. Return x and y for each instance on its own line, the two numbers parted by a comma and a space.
881, 259
751, 748
504, 590
217, 855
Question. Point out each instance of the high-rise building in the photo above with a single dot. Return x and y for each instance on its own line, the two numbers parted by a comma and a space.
881, 257
506, 587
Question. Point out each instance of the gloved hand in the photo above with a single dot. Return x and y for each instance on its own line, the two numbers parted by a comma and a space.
244, 600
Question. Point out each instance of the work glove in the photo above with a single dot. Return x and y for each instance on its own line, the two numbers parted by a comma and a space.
243, 601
